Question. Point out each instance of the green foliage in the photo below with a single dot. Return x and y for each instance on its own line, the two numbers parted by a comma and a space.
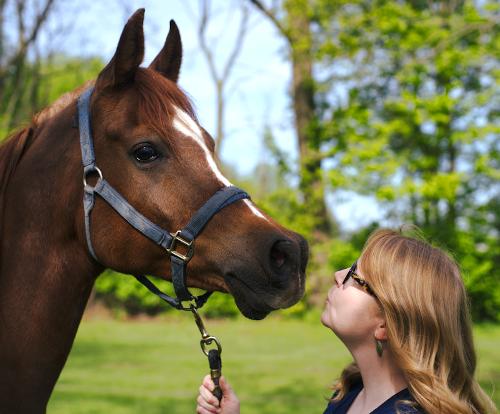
478, 252
63, 74
416, 122
119, 291
284, 204
43, 83
342, 254
221, 305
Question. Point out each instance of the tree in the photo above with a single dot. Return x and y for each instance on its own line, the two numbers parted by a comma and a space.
416, 121
14, 65
220, 75
403, 105
294, 20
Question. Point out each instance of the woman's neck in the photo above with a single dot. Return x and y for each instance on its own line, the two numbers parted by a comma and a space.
382, 378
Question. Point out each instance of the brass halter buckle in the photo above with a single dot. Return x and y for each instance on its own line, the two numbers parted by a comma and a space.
178, 240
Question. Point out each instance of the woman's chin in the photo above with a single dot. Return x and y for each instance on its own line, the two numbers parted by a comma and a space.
325, 320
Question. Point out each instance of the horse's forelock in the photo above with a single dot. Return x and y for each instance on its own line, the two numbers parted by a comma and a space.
159, 99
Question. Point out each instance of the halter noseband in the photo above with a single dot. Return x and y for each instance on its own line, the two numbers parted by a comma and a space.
169, 241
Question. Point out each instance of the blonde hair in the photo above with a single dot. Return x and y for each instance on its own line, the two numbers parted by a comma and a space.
429, 330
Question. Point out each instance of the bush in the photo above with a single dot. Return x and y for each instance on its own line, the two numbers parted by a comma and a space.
119, 291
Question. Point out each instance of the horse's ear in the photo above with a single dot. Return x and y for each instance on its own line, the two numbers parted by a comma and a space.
168, 61
128, 56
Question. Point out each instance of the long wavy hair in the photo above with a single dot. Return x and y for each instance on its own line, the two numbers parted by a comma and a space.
429, 330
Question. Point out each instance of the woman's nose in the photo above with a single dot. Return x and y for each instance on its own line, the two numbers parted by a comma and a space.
340, 276
337, 279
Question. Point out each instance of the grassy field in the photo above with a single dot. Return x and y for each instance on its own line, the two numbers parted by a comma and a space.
276, 366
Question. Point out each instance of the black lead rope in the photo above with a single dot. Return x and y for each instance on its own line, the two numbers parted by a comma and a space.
176, 303
206, 341
213, 355
215, 371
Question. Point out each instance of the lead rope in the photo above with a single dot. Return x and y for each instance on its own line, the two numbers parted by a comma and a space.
213, 355
206, 341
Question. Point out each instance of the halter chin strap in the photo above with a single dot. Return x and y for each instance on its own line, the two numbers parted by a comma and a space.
179, 245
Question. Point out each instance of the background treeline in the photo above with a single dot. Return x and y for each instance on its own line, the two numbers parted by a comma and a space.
395, 101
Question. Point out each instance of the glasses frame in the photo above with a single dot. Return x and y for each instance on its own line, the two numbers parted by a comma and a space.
358, 279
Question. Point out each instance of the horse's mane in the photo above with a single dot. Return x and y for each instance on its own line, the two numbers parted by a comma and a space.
14, 147
11, 152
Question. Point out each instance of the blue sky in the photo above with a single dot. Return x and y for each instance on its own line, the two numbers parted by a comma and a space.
259, 82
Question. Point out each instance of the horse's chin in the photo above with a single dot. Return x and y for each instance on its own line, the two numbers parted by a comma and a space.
246, 300
248, 311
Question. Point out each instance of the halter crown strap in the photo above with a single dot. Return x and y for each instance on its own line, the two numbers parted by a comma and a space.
169, 241
86, 143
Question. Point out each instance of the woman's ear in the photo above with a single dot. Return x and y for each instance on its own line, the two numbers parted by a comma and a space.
381, 331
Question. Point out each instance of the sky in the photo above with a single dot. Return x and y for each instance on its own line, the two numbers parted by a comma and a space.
259, 82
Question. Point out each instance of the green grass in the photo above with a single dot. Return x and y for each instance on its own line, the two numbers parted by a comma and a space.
276, 366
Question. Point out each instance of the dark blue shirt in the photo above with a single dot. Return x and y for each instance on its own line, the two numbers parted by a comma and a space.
387, 407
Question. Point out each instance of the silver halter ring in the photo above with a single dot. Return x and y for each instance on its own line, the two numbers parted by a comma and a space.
90, 171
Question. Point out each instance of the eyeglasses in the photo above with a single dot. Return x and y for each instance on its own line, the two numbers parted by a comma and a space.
358, 279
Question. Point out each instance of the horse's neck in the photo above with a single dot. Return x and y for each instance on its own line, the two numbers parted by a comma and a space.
46, 277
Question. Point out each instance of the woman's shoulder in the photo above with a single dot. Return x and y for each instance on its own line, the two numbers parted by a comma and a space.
342, 405
400, 403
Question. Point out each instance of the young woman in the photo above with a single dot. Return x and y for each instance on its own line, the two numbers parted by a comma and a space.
402, 312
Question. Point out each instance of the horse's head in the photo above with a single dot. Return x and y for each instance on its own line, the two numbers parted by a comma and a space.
151, 148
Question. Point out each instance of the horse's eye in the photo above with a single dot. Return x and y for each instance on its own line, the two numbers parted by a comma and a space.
146, 153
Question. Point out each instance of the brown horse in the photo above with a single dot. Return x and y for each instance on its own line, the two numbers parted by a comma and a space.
151, 148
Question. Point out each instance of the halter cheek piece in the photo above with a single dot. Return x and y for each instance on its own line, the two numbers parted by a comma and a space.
169, 241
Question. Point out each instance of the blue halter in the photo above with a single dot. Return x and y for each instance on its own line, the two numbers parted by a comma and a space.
169, 241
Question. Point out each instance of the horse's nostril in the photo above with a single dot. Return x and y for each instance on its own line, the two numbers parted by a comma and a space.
284, 259
278, 257
280, 254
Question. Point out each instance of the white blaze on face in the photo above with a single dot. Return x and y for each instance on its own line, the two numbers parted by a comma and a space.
187, 126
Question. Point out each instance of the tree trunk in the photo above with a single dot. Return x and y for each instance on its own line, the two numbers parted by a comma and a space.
303, 94
219, 136
295, 26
